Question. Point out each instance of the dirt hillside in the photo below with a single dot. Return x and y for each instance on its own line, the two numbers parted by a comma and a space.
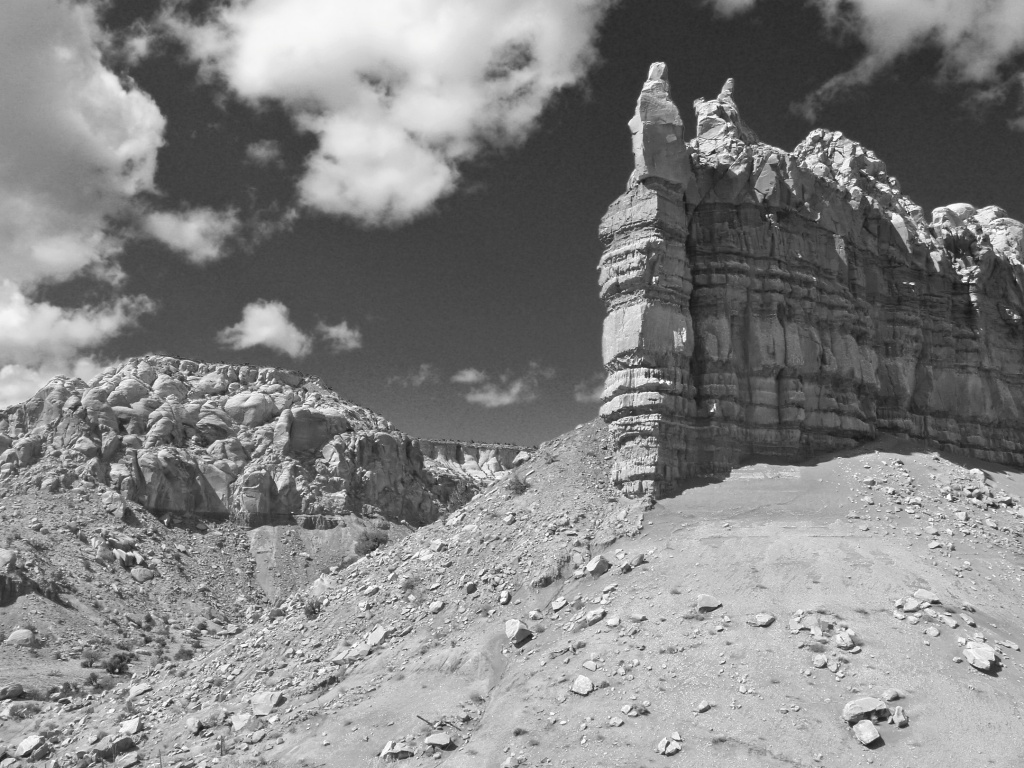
762, 620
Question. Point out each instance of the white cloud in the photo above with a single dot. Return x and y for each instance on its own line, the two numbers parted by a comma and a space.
264, 152
503, 390
979, 40
591, 390
37, 333
425, 374
199, 234
342, 337
399, 93
266, 323
76, 142
469, 376
40, 340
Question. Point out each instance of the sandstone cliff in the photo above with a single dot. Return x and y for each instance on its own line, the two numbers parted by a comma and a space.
258, 445
770, 303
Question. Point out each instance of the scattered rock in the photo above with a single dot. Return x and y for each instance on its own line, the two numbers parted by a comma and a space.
264, 703
517, 632
707, 603
866, 707
22, 637
582, 686
598, 566
866, 732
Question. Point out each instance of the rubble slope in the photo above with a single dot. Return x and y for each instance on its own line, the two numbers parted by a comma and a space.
765, 619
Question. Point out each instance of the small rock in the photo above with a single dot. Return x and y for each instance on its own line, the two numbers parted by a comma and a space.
441, 740
517, 632
866, 732
668, 746
598, 566
264, 703
708, 602
866, 707
28, 745
980, 655
761, 620
582, 686
22, 637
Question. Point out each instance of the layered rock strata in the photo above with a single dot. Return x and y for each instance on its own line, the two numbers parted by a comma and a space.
258, 445
763, 303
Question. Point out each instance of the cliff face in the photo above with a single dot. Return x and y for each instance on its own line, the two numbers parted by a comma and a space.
770, 303
259, 445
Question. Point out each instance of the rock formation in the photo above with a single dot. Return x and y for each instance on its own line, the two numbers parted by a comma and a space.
258, 445
770, 303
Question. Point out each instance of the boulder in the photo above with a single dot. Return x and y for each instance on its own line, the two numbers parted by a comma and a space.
582, 686
517, 632
707, 603
865, 732
441, 740
980, 655
265, 702
21, 637
11, 691
8, 560
28, 745
866, 707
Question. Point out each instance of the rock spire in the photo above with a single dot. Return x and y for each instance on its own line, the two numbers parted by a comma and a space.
763, 303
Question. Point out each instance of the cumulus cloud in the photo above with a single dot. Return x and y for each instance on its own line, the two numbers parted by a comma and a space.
198, 234
41, 340
264, 152
469, 376
980, 40
590, 390
341, 337
506, 389
399, 93
267, 324
78, 145
425, 374
38, 332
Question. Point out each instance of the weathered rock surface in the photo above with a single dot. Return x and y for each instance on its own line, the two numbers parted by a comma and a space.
770, 303
259, 445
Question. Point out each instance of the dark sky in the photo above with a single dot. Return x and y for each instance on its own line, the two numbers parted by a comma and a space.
502, 273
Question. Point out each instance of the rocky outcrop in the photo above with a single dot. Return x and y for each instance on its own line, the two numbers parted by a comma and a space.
258, 445
770, 303
483, 461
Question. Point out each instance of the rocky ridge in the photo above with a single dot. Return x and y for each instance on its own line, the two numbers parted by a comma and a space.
260, 446
771, 303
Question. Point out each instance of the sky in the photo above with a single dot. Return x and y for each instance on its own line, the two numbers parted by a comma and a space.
402, 197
